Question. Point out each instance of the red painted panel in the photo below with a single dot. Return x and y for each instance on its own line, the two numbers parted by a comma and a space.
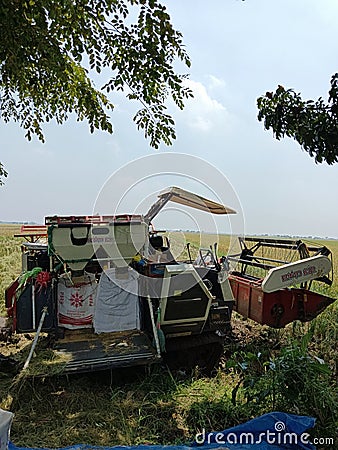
256, 305
279, 308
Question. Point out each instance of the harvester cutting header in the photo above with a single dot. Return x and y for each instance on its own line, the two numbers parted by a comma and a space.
109, 292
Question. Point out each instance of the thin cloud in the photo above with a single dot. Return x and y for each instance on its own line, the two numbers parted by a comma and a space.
203, 112
216, 83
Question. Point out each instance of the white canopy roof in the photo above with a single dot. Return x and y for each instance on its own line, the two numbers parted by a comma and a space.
178, 195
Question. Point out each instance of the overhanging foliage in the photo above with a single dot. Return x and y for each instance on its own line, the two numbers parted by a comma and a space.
313, 124
48, 49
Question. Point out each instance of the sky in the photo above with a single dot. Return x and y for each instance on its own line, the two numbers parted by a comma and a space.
239, 50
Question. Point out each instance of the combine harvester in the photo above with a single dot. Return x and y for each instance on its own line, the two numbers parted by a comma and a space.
109, 293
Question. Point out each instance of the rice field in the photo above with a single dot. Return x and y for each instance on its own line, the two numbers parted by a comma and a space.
10, 258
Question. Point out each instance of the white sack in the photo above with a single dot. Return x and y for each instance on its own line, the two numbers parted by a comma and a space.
76, 302
117, 305
6, 418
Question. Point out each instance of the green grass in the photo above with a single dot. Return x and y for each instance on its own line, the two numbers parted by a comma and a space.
128, 407
10, 259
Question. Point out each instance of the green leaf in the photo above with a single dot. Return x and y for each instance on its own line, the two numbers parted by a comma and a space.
49, 48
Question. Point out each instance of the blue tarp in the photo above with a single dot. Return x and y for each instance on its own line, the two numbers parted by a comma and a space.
272, 431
